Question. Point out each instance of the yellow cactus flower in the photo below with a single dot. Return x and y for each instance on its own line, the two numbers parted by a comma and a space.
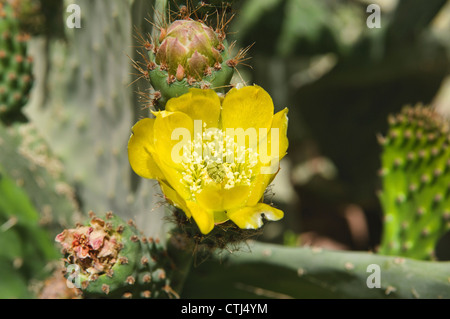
214, 156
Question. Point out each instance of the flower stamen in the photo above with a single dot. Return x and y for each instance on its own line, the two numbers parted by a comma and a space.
216, 158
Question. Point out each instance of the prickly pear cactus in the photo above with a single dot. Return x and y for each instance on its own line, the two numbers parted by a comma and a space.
90, 101
113, 259
187, 54
416, 178
15, 65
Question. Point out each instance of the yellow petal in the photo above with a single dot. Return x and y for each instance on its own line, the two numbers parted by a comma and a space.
250, 217
174, 198
174, 178
173, 130
215, 198
199, 104
248, 108
220, 217
280, 123
269, 164
235, 197
140, 150
210, 198
274, 147
258, 187
203, 218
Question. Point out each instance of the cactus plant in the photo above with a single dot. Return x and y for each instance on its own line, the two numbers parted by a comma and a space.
82, 114
415, 176
115, 260
15, 65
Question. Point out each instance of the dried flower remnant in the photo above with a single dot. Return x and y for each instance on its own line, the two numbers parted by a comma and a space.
94, 247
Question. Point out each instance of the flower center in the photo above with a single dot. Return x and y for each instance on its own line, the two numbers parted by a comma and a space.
214, 158
216, 171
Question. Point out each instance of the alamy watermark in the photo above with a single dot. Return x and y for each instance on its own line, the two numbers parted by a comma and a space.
73, 279
374, 19
374, 279
73, 21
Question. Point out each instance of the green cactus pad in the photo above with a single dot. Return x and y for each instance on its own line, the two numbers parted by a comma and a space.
15, 66
415, 182
262, 270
